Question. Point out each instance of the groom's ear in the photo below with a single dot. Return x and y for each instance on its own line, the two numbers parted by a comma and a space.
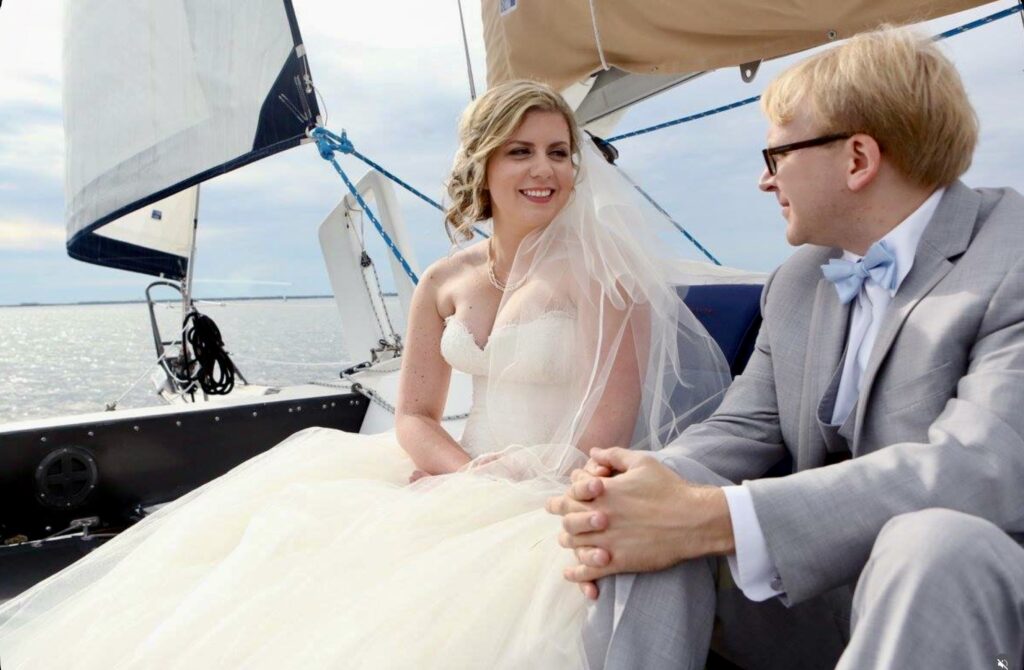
862, 158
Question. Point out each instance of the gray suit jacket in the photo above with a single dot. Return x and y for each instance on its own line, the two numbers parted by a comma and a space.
940, 418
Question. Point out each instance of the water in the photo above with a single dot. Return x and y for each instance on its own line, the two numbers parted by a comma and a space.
57, 360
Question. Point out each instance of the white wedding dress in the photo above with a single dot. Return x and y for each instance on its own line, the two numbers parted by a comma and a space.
318, 554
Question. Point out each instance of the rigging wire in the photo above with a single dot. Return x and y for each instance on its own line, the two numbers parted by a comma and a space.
985, 20
465, 46
693, 240
327, 143
297, 364
112, 405
373, 396
345, 146
686, 119
323, 104
395, 343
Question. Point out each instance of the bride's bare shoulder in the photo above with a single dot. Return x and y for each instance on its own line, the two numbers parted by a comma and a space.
457, 265
451, 273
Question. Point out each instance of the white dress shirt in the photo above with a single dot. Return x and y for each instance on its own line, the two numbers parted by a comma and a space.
752, 568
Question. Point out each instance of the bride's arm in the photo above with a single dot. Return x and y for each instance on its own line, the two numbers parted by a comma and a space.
614, 415
423, 384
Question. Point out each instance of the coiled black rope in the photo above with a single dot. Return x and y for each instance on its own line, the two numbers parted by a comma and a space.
213, 369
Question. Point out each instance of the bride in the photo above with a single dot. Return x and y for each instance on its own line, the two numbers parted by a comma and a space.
412, 548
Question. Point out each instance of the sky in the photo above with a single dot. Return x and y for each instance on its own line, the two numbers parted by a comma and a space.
393, 74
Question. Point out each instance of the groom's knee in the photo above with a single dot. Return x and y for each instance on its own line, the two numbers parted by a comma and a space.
666, 617
942, 544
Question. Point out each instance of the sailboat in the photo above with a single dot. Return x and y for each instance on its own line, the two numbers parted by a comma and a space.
228, 84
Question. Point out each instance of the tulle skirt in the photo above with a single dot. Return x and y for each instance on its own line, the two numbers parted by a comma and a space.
318, 554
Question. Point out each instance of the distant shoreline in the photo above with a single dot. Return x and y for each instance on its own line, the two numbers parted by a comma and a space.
142, 302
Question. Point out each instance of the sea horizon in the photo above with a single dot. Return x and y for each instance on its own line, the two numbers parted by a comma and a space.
386, 294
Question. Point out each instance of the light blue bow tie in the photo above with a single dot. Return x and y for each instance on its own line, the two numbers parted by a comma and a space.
878, 264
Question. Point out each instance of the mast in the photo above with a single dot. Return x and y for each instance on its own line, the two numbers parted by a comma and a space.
186, 284
465, 46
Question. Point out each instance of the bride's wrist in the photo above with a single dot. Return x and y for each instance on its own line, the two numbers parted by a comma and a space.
459, 461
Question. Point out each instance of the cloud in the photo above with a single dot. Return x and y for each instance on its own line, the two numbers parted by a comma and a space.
31, 144
30, 53
30, 235
361, 25
38, 90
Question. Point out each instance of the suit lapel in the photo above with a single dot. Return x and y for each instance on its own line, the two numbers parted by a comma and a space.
947, 236
829, 321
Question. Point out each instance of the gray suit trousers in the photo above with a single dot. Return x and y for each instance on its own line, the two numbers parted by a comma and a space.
941, 589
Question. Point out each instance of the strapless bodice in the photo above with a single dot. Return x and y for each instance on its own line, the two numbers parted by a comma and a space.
535, 367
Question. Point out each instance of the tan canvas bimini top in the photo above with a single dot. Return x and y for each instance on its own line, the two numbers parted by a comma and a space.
555, 41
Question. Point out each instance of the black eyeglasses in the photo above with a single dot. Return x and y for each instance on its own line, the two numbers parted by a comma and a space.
771, 152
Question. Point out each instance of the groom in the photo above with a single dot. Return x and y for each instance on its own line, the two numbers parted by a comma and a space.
889, 368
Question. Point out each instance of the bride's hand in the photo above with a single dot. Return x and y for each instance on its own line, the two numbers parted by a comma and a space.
594, 469
417, 475
595, 558
481, 461
509, 464
586, 486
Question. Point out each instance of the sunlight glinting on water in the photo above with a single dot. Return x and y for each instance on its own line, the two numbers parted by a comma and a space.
71, 359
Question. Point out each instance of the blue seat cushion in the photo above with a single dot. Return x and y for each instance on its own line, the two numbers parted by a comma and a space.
731, 313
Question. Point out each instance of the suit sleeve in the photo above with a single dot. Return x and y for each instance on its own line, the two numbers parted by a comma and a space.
742, 439
821, 524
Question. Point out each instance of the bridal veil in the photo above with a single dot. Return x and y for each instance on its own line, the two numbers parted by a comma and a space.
641, 367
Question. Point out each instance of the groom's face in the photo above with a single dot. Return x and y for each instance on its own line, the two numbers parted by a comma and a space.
808, 182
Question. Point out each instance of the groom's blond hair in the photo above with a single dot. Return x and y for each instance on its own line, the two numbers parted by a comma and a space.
894, 85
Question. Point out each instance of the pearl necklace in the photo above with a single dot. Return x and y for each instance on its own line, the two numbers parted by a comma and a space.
501, 286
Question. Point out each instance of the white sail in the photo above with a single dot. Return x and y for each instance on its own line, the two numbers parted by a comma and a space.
166, 227
160, 95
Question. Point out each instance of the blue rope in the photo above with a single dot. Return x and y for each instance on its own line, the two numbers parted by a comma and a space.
327, 143
345, 146
978, 23
693, 240
686, 119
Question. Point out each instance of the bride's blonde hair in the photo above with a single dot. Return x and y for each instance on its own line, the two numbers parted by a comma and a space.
487, 124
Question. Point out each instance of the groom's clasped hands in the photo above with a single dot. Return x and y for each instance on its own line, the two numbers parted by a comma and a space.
626, 512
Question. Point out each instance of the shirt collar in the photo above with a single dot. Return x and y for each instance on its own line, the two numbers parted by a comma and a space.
903, 239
